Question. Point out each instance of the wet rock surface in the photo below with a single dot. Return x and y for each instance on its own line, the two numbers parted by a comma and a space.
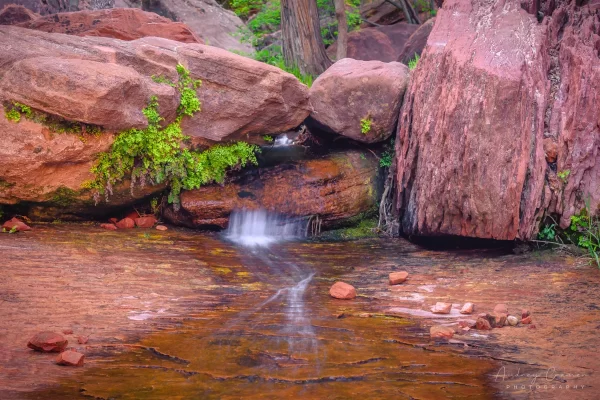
336, 187
48, 342
70, 358
342, 291
359, 99
159, 307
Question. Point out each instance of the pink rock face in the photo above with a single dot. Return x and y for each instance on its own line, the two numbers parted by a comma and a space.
343, 291
117, 23
70, 358
126, 223
469, 146
501, 309
145, 222
398, 277
110, 227
48, 342
467, 308
482, 324
441, 308
352, 91
441, 332
480, 133
15, 224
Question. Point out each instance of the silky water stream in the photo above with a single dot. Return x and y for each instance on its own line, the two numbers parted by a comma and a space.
247, 314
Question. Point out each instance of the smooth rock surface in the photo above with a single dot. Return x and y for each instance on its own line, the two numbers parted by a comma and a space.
467, 308
125, 223
343, 291
147, 221
416, 42
512, 320
47, 342
352, 91
501, 309
336, 188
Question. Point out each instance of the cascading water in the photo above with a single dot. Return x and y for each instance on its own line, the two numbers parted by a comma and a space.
259, 228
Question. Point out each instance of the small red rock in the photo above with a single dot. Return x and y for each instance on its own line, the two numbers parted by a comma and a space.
498, 320
161, 228
525, 313
110, 227
16, 224
48, 342
441, 308
440, 331
468, 308
483, 324
133, 215
501, 309
125, 223
526, 320
341, 290
70, 358
82, 339
68, 332
398, 277
145, 222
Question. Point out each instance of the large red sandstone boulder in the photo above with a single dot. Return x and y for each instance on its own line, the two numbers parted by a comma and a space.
121, 23
108, 82
492, 89
48, 342
383, 43
15, 14
335, 188
351, 93
416, 42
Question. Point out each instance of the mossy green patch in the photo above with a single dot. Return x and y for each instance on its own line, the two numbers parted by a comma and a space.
157, 154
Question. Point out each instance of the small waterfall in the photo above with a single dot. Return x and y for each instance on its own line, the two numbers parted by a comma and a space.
260, 228
283, 140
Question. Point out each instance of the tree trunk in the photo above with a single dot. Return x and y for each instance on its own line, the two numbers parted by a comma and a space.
302, 42
342, 39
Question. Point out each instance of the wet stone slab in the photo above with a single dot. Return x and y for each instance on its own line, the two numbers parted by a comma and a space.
182, 314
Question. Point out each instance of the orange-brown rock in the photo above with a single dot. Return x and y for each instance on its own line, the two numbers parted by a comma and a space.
483, 324
118, 23
109, 227
353, 93
125, 223
335, 188
441, 332
397, 277
441, 308
15, 224
70, 358
343, 291
501, 309
467, 308
48, 342
147, 221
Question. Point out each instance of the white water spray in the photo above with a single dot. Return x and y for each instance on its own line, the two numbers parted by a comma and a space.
253, 228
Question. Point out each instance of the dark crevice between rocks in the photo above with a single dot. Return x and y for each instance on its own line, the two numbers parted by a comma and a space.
451, 242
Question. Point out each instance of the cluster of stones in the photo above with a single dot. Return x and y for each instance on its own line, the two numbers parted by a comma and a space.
485, 321
133, 220
52, 342
345, 291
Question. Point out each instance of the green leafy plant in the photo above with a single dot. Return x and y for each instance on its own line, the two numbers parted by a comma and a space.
273, 56
365, 125
548, 232
412, 64
564, 175
586, 230
268, 138
12, 115
156, 154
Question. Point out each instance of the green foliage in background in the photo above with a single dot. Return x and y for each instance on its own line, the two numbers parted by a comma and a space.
156, 154
273, 56
387, 157
412, 64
